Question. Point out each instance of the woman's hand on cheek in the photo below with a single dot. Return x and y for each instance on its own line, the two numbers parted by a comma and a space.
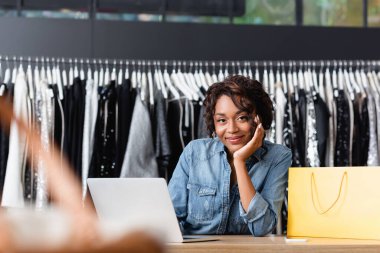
248, 149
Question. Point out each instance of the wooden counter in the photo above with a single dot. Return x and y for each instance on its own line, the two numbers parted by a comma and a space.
271, 244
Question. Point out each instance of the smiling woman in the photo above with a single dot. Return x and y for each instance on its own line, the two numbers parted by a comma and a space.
234, 182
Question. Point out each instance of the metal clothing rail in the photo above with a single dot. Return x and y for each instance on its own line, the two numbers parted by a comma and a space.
13, 60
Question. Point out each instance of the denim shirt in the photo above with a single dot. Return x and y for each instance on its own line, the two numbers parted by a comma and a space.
205, 203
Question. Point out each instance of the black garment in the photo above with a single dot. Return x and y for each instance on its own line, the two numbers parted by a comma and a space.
356, 137
126, 97
58, 117
343, 131
161, 135
4, 137
322, 126
74, 121
291, 129
364, 131
300, 123
202, 128
103, 162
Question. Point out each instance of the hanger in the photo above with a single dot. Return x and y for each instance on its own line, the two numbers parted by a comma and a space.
295, 82
226, 70
76, 71
372, 82
301, 81
347, 81
71, 72
271, 80
257, 72
89, 71
245, 71
101, 74
49, 75
143, 82
64, 74
375, 78
107, 74
315, 86
14, 71
290, 78
7, 74
156, 77
208, 77
139, 75
249, 67
134, 75
202, 78
29, 76
59, 81
54, 71
334, 77
266, 78
37, 79
278, 75
168, 82
178, 84
340, 77
126, 75
220, 74
240, 72
81, 71
96, 74
306, 77
213, 75
161, 80
113, 73
363, 77
120, 74
321, 79
351, 76
150, 84
283, 78
185, 79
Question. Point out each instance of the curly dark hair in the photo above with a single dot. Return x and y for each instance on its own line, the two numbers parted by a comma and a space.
248, 95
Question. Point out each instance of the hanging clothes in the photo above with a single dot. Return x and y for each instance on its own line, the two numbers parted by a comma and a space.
103, 162
4, 137
91, 109
13, 195
301, 126
140, 158
373, 158
126, 98
343, 131
322, 127
161, 135
74, 106
312, 156
279, 113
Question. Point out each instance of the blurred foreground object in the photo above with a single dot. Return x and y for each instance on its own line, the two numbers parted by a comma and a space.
70, 226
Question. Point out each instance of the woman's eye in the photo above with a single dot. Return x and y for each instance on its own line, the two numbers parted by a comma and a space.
243, 118
220, 120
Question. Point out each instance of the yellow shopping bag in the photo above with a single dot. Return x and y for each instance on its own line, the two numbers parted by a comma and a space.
334, 202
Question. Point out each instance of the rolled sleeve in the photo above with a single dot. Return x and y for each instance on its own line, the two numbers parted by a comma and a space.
256, 209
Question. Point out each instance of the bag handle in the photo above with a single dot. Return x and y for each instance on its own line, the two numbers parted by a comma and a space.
314, 185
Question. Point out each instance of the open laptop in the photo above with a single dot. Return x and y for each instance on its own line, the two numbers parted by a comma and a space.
138, 204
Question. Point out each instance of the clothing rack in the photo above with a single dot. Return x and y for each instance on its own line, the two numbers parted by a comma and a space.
188, 63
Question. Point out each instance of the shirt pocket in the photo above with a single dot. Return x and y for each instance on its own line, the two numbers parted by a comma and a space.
201, 202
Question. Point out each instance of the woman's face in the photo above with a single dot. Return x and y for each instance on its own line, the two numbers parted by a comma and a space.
233, 126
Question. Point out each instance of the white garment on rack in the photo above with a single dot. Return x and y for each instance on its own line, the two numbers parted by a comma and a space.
46, 114
13, 193
373, 158
90, 113
140, 159
280, 111
330, 148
